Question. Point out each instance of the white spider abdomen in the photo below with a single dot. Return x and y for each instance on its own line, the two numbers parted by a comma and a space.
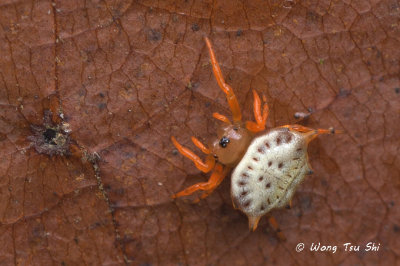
274, 164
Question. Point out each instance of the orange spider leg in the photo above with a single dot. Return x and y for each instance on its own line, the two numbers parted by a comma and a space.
310, 133
204, 167
274, 224
216, 178
200, 145
204, 195
253, 223
208, 192
230, 95
261, 119
221, 118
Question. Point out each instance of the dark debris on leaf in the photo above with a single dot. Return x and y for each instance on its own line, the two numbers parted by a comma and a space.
195, 27
49, 138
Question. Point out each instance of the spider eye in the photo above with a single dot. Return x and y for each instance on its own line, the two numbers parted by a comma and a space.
223, 142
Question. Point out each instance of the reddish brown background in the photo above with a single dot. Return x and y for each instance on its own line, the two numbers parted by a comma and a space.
130, 74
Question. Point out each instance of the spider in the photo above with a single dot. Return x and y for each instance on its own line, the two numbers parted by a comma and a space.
269, 164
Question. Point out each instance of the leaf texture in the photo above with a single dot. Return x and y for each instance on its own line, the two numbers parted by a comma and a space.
121, 76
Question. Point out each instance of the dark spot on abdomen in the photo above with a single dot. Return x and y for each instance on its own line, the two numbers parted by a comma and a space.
285, 137
242, 183
247, 203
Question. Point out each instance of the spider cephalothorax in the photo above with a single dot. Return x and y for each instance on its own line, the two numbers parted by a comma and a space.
269, 166
231, 144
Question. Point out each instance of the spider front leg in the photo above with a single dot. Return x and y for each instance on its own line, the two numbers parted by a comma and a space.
261, 118
216, 178
205, 167
230, 95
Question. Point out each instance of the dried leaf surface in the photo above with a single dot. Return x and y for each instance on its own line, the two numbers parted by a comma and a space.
129, 74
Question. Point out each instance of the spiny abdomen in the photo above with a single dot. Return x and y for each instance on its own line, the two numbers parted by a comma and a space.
270, 171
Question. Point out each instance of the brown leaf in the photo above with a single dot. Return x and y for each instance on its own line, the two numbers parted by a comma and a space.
91, 92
